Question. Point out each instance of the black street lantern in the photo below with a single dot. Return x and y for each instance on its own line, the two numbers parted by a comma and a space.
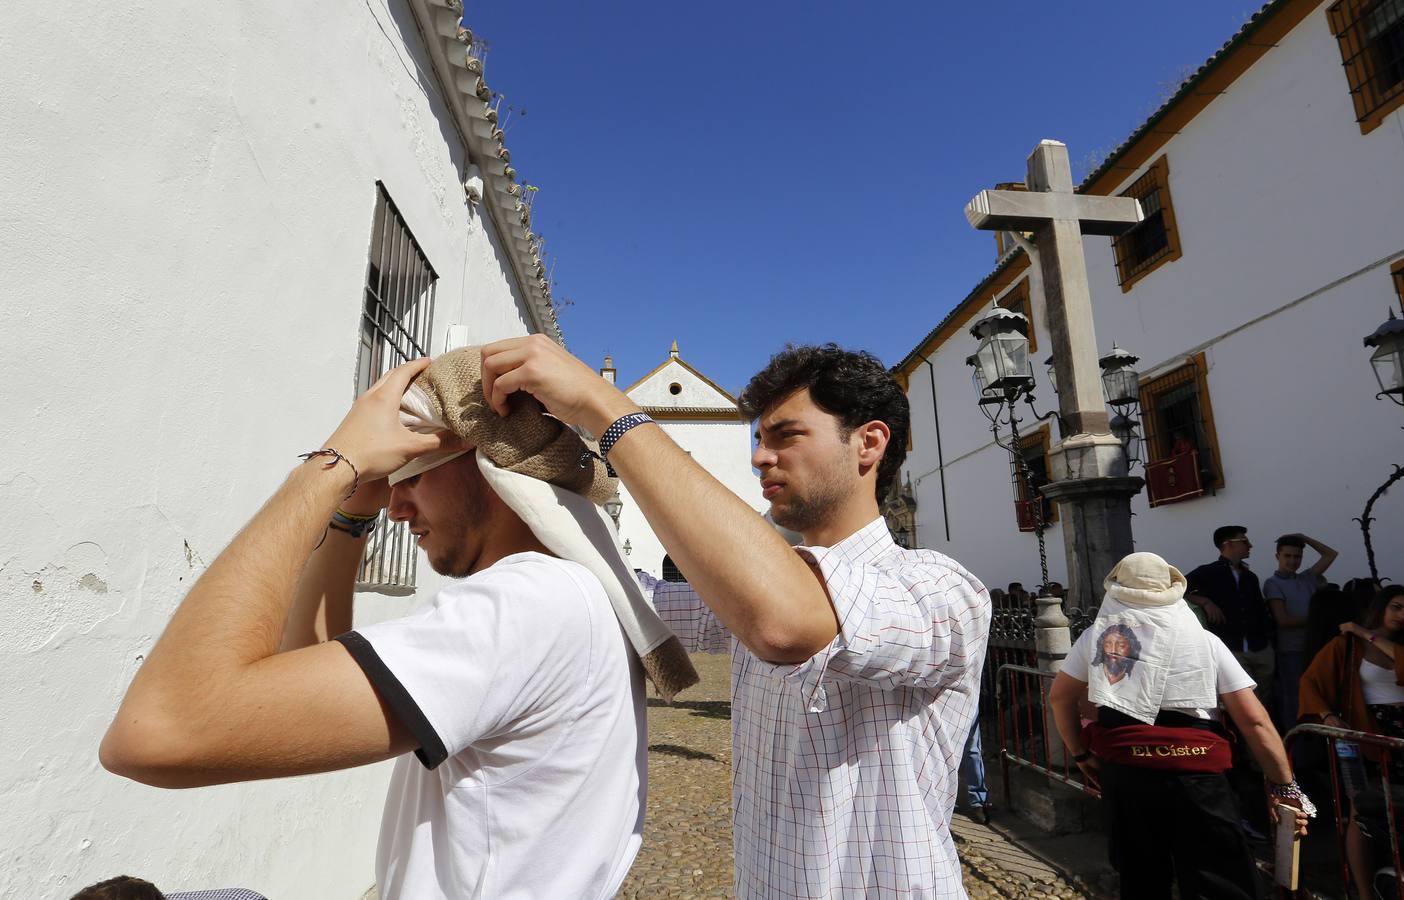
977, 377
1002, 359
1120, 382
1126, 430
1052, 374
614, 506
1388, 358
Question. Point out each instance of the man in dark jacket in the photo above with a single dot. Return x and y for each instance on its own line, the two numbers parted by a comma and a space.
1231, 600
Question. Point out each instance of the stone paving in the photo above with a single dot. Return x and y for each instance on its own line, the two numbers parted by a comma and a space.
687, 835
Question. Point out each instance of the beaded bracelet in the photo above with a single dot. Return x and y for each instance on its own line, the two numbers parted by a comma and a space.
1292, 793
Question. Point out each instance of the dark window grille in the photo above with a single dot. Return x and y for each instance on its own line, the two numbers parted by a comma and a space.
1140, 249
396, 320
1398, 272
670, 571
1371, 37
1027, 500
1177, 421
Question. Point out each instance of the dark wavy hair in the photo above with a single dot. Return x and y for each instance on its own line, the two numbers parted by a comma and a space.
123, 887
850, 385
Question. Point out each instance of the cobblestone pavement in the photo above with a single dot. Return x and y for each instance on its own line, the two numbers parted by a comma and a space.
687, 834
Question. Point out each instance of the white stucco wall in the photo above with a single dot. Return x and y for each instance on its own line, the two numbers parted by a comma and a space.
186, 220
723, 448
1288, 217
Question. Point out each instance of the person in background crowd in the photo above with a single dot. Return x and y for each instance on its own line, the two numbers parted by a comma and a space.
1288, 592
1328, 609
1156, 748
1229, 595
1357, 682
972, 772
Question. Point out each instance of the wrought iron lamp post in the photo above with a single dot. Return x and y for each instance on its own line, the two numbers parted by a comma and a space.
614, 506
1002, 377
1122, 387
1388, 363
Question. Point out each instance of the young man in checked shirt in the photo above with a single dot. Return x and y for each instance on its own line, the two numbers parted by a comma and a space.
855, 663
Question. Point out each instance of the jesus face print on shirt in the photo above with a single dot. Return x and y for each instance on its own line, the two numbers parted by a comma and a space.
1118, 649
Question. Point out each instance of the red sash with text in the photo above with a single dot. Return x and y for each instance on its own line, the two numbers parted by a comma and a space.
1188, 750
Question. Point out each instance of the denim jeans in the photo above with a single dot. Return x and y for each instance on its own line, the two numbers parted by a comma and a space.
972, 769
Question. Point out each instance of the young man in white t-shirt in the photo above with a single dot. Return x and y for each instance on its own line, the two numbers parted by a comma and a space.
511, 699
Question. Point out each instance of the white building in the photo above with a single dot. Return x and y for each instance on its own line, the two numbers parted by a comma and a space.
1273, 184
702, 419
212, 219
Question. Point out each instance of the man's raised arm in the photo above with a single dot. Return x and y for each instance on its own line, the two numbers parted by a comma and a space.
760, 589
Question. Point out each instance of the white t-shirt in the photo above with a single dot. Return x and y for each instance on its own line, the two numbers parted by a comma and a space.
1229, 676
529, 708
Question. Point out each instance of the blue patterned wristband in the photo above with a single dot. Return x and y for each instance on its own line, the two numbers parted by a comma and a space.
616, 431
356, 526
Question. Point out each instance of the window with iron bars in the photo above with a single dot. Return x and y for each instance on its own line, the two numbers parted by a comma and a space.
1028, 502
396, 321
1155, 241
1371, 38
1179, 424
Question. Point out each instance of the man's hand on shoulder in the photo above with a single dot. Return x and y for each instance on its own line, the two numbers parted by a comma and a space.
570, 390
372, 437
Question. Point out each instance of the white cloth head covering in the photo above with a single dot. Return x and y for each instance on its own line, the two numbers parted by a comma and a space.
1149, 652
570, 524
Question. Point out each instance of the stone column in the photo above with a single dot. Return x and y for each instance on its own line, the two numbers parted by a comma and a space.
1096, 517
1053, 641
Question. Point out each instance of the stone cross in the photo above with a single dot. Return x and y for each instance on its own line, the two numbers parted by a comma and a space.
1058, 219
1090, 483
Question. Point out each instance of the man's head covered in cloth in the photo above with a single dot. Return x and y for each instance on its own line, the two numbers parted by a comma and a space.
522, 477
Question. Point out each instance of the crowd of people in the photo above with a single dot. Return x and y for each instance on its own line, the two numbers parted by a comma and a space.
1271, 654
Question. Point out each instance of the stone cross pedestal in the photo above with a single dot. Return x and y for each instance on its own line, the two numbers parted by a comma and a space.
1089, 480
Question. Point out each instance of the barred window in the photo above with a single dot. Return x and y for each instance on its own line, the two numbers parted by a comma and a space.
1181, 445
396, 319
1017, 300
670, 570
1028, 502
1397, 270
1371, 37
1155, 241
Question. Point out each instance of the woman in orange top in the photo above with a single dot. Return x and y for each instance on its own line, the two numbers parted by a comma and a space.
1357, 682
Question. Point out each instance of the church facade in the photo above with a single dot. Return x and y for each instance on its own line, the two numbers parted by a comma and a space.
701, 417
1272, 246
230, 224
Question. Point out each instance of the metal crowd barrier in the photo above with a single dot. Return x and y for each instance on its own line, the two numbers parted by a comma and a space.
1023, 713
1386, 746
1029, 740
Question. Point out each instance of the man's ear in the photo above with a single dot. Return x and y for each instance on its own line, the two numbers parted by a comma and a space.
872, 442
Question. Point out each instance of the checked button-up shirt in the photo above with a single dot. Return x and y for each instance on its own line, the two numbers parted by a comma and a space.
844, 766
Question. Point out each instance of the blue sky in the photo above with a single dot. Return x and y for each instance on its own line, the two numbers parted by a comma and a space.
737, 176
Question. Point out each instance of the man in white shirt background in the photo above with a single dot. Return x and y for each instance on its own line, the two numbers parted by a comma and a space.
855, 664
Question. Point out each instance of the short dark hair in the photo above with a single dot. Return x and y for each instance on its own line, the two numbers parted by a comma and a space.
123, 887
851, 385
1291, 540
1227, 533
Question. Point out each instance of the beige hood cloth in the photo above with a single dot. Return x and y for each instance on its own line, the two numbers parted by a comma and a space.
1150, 652
551, 479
